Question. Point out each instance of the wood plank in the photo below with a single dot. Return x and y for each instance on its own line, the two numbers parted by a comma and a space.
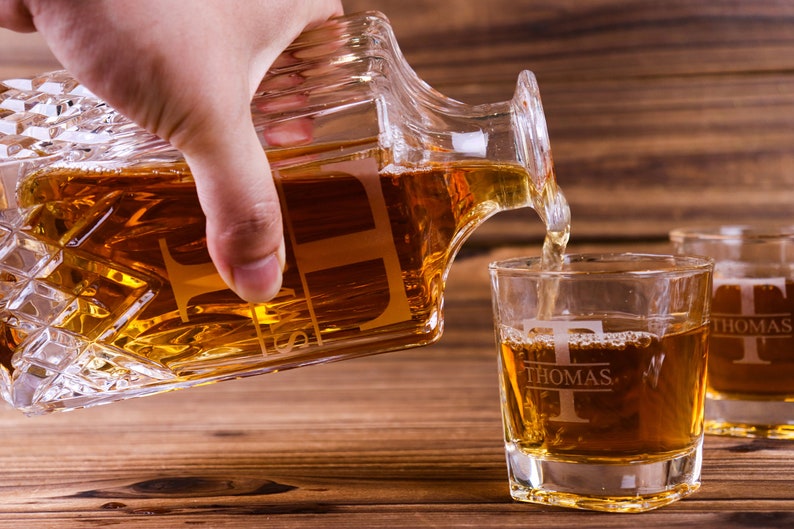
660, 114
402, 440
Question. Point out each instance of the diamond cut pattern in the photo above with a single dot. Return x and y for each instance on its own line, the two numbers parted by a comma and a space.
52, 114
57, 321
55, 301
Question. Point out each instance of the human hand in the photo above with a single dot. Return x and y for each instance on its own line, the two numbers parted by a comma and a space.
186, 70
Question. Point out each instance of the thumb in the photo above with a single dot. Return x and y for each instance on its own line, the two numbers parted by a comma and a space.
238, 196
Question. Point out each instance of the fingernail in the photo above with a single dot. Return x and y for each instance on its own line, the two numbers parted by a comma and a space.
260, 281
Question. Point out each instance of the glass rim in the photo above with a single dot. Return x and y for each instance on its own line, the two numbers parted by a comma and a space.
733, 233
622, 264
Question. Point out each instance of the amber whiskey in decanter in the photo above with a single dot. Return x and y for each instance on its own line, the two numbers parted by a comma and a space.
107, 290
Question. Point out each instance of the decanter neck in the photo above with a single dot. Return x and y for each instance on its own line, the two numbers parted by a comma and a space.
430, 129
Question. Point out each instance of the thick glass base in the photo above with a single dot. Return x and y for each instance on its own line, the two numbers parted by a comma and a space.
633, 486
750, 418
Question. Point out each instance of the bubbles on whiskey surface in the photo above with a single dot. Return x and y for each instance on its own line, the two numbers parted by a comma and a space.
634, 393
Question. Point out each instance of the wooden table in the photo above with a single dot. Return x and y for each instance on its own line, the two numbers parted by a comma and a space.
659, 113
401, 440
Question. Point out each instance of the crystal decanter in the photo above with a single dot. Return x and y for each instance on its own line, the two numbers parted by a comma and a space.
107, 290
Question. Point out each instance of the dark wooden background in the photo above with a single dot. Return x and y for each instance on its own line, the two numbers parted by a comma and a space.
661, 113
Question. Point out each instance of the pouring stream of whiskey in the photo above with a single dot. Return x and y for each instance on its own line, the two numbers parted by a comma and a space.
553, 210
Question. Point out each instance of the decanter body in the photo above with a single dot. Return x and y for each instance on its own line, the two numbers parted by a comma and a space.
107, 290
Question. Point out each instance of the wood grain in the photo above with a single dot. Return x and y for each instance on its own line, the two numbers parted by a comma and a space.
660, 113
403, 440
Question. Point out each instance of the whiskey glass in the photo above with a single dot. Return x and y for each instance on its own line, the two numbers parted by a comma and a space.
602, 364
750, 391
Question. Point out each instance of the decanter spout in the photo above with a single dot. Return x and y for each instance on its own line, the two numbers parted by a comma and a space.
532, 136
